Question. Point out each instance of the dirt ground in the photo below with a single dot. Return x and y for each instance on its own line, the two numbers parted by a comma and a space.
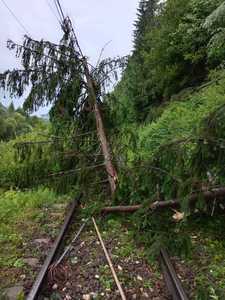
85, 274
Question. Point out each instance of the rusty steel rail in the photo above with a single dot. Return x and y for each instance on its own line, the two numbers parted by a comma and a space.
173, 283
36, 288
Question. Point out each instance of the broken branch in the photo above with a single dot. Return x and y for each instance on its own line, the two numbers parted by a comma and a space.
216, 193
109, 262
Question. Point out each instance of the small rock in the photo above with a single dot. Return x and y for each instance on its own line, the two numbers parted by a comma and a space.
102, 294
74, 260
55, 286
94, 295
13, 292
64, 289
59, 206
42, 241
32, 262
86, 297
97, 276
68, 297
146, 295
178, 216
139, 278
120, 268
56, 214
23, 276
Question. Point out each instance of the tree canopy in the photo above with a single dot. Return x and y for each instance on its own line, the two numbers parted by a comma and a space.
177, 44
15, 122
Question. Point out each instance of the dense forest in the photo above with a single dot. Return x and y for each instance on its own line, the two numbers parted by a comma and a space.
165, 125
171, 97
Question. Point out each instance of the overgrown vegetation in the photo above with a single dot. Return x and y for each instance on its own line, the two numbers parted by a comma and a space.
16, 122
165, 122
169, 112
20, 211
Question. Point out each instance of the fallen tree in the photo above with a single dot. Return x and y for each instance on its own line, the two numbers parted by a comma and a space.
208, 196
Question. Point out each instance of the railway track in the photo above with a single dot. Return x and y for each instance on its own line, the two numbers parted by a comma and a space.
173, 282
53, 260
37, 286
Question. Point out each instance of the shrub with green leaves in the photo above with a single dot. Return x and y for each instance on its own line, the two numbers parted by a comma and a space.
183, 148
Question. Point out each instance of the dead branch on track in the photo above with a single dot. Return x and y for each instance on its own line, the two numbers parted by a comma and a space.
109, 262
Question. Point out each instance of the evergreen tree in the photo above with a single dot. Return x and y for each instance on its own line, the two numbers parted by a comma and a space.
177, 43
60, 75
145, 15
56, 75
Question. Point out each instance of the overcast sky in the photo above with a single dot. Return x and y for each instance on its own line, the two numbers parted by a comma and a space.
96, 22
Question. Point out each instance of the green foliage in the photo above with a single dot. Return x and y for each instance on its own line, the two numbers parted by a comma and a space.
216, 18
13, 201
165, 119
177, 153
65, 162
18, 210
11, 169
56, 75
145, 20
159, 230
15, 122
169, 112
47, 68
215, 24
208, 254
178, 50
181, 119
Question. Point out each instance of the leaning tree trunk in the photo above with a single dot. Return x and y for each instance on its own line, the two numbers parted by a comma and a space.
111, 171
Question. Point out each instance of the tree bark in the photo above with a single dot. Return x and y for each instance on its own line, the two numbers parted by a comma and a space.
125, 209
217, 194
112, 175
111, 171
134, 208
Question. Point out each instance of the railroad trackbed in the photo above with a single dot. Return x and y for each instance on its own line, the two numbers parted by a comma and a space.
77, 266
